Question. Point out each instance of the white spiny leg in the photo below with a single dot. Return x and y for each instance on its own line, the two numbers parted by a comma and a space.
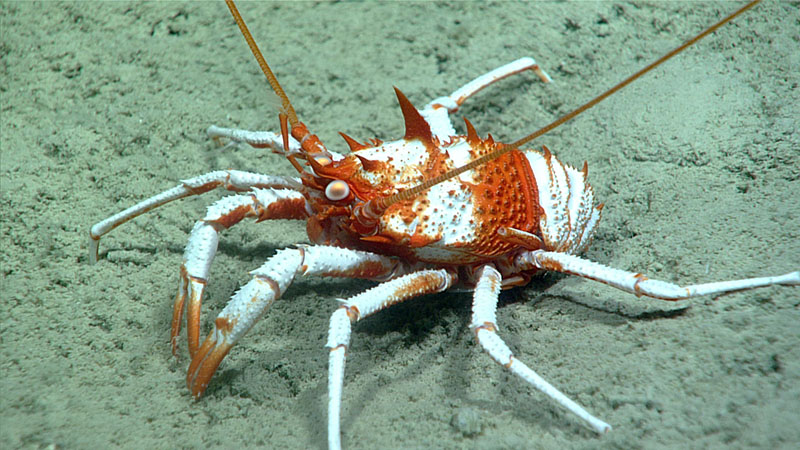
484, 307
261, 204
259, 139
436, 113
269, 282
355, 309
638, 284
232, 180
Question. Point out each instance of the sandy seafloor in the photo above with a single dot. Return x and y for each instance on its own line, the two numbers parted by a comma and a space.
105, 104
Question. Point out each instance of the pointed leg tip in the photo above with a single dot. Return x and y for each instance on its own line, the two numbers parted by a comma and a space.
197, 390
94, 249
174, 345
205, 363
599, 426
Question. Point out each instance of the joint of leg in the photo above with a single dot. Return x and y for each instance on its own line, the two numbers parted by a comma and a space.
302, 250
258, 208
234, 216
272, 284
203, 188
197, 280
448, 280
488, 326
340, 346
538, 260
445, 102
639, 278
352, 312
232, 187
224, 325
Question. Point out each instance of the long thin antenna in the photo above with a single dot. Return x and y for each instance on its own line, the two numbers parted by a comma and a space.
408, 194
285, 103
287, 110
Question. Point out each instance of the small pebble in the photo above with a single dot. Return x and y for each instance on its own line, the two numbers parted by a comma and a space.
467, 421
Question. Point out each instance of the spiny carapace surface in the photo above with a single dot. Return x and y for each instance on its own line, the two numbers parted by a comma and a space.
459, 221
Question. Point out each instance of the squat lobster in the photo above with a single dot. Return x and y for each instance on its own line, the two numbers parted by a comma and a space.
423, 214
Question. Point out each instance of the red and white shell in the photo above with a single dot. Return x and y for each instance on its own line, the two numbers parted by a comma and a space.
459, 221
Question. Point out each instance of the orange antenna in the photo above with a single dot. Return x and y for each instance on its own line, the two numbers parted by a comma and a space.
384, 202
287, 110
285, 103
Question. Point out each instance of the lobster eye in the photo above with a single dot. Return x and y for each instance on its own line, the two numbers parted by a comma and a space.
337, 190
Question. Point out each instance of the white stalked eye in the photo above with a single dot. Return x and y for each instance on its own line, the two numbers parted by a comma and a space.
337, 190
